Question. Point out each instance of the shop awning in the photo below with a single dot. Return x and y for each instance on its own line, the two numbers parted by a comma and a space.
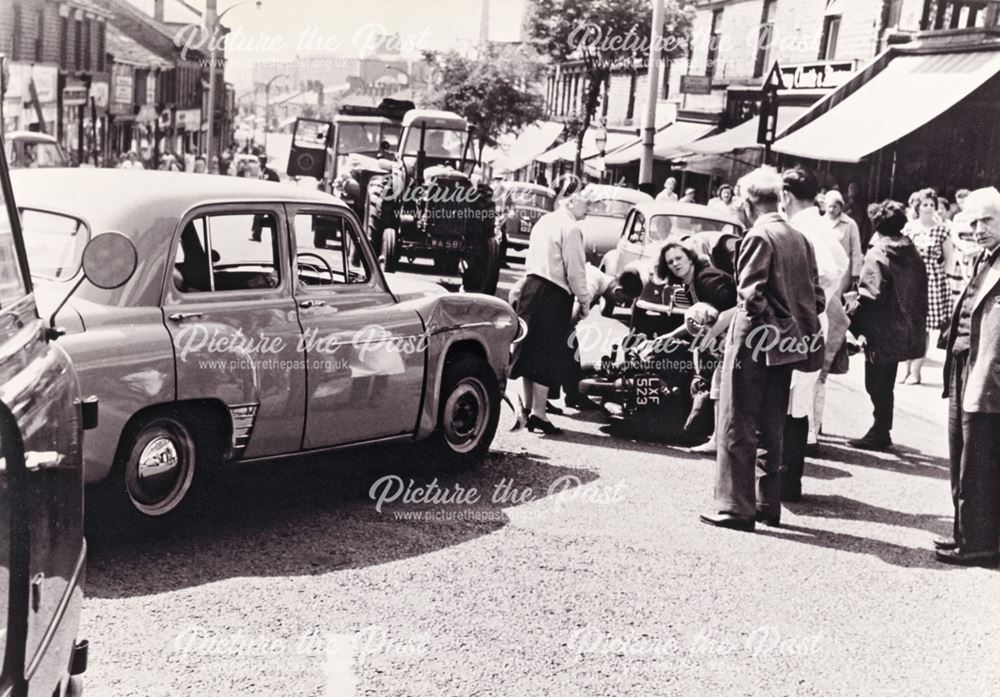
567, 151
909, 92
745, 135
530, 143
668, 143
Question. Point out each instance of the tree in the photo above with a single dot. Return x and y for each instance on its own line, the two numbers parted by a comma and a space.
496, 93
606, 35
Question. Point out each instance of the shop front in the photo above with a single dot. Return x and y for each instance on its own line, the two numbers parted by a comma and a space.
922, 114
31, 98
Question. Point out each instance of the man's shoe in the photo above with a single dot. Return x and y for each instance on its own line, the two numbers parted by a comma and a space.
871, 441
945, 543
772, 520
957, 557
729, 521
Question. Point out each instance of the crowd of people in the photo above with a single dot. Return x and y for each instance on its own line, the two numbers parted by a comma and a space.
249, 163
804, 295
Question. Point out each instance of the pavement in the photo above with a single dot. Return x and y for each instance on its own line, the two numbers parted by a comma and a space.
571, 565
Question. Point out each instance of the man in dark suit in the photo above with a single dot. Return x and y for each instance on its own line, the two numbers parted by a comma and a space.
972, 385
776, 330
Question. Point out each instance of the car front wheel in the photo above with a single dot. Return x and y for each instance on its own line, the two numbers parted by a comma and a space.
468, 413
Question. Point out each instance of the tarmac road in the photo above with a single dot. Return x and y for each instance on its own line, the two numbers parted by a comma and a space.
565, 566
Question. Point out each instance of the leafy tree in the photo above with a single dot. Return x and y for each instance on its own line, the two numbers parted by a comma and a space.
497, 92
606, 35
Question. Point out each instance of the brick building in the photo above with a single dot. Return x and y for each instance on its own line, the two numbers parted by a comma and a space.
58, 71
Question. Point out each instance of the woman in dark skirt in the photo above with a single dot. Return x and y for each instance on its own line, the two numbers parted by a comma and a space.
556, 273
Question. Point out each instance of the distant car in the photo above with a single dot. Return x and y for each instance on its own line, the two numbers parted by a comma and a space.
649, 226
27, 149
238, 338
519, 206
608, 206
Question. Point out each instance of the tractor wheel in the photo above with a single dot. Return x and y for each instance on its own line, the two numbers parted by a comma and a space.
390, 250
482, 271
446, 263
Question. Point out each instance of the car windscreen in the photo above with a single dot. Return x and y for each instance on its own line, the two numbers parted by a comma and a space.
54, 243
663, 226
438, 142
610, 207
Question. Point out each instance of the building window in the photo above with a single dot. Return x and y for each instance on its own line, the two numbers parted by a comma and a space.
958, 14
63, 43
86, 44
40, 38
101, 47
828, 47
77, 44
713, 43
15, 39
764, 39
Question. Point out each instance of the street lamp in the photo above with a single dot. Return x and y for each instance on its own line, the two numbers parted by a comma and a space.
267, 107
601, 141
212, 18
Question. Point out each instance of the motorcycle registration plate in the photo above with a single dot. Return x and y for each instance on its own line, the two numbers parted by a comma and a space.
647, 391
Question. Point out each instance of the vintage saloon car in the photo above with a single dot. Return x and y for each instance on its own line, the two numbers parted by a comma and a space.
237, 338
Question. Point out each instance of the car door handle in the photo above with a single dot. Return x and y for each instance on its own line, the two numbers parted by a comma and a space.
306, 304
181, 316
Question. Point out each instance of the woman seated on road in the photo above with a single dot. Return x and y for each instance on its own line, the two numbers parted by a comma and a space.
705, 284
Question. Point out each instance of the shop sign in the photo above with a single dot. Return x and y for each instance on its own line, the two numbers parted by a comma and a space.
22, 73
74, 95
818, 75
189, 119
99, 91
124, 88
696, 84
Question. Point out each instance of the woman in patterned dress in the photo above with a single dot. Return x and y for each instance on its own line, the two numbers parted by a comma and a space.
932, 238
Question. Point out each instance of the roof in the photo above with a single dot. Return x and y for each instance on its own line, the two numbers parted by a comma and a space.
434, 118
124, 49
32, 136
146, 194
689, 210
616, 193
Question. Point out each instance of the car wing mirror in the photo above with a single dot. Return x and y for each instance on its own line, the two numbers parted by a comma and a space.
109, 261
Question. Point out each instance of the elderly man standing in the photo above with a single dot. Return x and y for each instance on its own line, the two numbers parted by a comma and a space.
775, 330
972, 380
847, 233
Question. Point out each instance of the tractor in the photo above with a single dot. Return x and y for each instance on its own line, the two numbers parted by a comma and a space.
426, 203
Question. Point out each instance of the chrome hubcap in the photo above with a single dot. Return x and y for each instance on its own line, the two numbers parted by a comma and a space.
466, 412
162, 472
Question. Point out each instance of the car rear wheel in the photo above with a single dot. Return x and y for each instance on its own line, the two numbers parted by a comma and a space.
468, 412
482, 272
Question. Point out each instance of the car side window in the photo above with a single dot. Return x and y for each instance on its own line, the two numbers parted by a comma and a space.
637, 233
228, 252
12, 286
327, 252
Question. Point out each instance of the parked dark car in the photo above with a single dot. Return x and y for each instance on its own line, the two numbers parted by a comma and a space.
42, 548
519, 206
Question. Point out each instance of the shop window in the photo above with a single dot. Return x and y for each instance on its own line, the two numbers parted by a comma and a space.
831, 31
764, 39
713, 43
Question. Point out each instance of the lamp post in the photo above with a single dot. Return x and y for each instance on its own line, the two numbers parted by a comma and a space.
212, 19
267, 107
601, 141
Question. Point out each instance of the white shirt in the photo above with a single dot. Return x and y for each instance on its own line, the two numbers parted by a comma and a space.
832, 262
666, 197
556, 253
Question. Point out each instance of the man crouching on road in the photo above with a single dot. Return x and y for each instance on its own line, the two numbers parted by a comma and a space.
972, 385
776, 329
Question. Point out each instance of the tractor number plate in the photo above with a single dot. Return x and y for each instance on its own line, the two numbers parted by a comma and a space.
647, 391
449, 243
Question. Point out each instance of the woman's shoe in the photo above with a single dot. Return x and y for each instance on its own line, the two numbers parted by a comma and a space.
911, 380
551, 408
546, 427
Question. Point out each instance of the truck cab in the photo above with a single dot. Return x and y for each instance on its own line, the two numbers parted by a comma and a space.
42, 547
